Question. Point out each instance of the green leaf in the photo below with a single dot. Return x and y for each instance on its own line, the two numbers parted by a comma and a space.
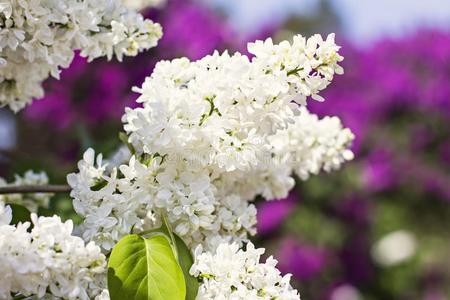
185, 259
145, 269
19, 214
184, 256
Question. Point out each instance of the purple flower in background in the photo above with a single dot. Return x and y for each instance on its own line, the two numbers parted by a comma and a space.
355, 211
393, 75
356, 260
302, 261
272, 213
379, 173
57, 109
444, 152
193, 31
108, 97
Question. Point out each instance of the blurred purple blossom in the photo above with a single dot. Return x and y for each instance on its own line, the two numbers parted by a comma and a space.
272, 213
193, 31
356, 260
444, 152
409, 74
355, 211
379, 173
302, 261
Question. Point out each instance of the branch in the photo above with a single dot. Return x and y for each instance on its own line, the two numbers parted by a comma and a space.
27, 189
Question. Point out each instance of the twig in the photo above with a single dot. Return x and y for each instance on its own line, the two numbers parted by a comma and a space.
26, 189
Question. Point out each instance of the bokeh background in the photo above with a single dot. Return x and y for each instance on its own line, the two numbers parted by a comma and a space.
378, 229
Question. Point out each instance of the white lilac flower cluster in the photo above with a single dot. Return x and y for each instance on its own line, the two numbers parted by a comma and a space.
135, 195
311, 144
48, 261
232, 273
38, 37
211, 136
304, 147
31, 201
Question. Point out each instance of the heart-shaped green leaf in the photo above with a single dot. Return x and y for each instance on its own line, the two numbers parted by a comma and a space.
145, 269
185, 259
184, 256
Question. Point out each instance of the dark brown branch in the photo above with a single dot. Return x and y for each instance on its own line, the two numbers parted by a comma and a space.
27, 189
